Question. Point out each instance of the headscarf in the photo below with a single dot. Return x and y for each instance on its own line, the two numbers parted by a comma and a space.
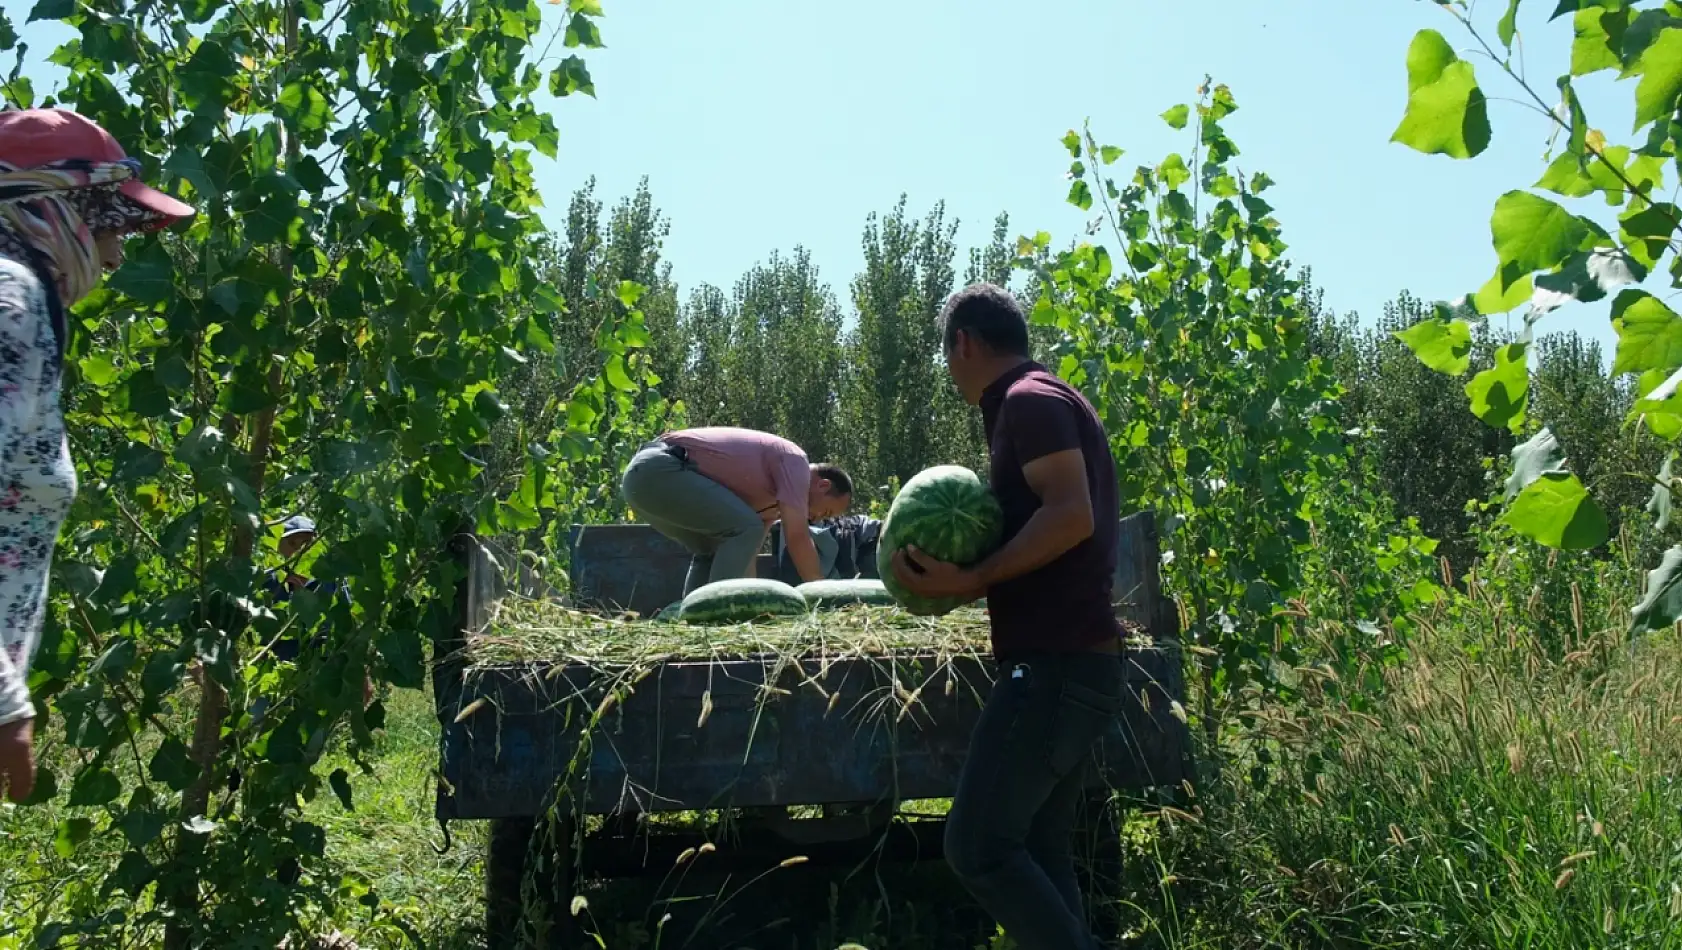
49, 214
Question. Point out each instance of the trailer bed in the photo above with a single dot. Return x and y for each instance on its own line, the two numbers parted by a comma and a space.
755, 732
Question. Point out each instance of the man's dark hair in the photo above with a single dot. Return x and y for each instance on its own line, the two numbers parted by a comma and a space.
840, 483
987, 312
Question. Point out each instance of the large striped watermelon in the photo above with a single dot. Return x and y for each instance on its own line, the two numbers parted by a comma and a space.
827, 595
741, 600
947, 513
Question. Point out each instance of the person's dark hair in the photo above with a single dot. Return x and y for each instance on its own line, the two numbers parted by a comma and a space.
840, 483
987, 312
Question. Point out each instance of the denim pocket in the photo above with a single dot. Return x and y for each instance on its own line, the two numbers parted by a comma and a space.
1083, 714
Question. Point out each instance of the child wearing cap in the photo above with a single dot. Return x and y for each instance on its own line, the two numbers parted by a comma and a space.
69, 194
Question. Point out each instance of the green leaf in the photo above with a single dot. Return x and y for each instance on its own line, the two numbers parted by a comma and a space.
1178, 116
1446, 111
303, 106
162, 674
340, 781
98, 369
1492, 300
1109, 153
1599, 40
571, 76
1443, 345
1532, 233
629, 292
1578, 139
1649, 334
586, 7
1556, 511
1659, 504
1660, 67
488, 406
1071, 141
142, 822
1499, 393
95, 785
547, 141
148, 277
581, 31
402, 654
1660, 409
1661, 604
1538, 456
19, 91
70, 834
1173, 172
173, 765
1508, 27
617, 377
117, 659
1566, 175
1080, 195
52, 10
136, 462
1647, 232
1642, 32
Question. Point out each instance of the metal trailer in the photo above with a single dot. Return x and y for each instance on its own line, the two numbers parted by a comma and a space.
769, 742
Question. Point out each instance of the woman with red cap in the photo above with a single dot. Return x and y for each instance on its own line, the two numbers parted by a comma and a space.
68, 197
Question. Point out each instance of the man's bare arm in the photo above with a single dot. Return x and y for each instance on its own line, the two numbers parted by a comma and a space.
801, 550
1064, 519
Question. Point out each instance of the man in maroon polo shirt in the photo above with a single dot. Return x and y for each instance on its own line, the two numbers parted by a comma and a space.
1054, 630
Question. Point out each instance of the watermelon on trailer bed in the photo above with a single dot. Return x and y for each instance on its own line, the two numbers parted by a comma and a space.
740, 601
828, 595
947, 513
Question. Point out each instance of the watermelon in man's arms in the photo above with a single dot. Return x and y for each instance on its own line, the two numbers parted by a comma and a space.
947, 513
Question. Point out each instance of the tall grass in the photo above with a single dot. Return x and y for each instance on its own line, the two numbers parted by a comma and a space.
1500, 795
1513, 786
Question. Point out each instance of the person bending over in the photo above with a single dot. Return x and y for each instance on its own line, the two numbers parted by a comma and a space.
716, 491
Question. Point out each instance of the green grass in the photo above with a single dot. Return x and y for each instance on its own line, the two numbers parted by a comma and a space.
1498, 797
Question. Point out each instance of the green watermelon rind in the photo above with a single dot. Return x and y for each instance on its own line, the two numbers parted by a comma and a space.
936, 489
833, 594
741, 600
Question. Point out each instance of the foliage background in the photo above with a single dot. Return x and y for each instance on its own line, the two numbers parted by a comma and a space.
366, 322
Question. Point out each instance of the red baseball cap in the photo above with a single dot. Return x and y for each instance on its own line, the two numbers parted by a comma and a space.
30, 138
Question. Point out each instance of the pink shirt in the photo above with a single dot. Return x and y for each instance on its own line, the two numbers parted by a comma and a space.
767, 472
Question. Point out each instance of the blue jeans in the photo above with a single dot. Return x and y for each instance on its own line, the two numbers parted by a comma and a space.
1010, 833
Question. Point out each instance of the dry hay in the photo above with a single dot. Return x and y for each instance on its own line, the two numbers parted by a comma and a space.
525, 631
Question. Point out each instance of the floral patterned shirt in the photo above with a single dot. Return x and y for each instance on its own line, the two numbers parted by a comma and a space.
37, 479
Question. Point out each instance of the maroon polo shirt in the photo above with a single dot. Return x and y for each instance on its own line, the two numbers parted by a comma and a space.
1065, 606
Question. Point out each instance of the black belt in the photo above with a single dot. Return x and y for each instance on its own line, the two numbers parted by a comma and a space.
675, 451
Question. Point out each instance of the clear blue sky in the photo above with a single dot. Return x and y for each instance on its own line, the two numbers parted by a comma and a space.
763, 124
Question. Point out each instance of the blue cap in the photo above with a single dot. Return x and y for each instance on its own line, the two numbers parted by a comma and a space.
297, 525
